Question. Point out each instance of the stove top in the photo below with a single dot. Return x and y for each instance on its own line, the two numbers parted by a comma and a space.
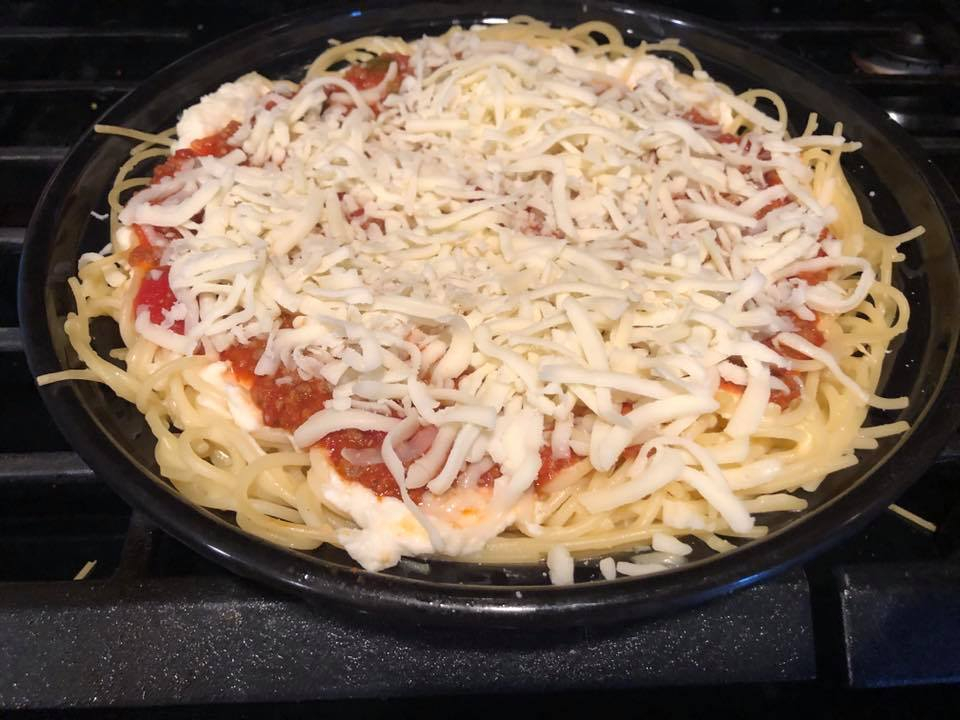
153, 624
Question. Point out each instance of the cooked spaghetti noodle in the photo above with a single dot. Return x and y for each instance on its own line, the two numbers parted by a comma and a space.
508, 292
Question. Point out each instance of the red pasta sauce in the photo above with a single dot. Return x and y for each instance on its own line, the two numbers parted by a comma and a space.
154, 293
214, 145
550, 467
371, 73
289, 403
810, 331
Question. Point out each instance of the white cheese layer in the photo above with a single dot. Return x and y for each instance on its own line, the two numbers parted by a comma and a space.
231, 101
240, 407
385, 530
526, 248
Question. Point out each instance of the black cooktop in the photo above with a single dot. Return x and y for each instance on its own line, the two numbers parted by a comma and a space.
154, 625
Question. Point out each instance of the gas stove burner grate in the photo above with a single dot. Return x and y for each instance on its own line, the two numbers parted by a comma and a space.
911, 47
154, 624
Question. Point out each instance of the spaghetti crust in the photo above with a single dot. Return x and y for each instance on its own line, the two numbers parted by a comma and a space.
700, 465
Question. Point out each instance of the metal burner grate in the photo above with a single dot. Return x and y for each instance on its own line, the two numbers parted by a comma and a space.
882, 609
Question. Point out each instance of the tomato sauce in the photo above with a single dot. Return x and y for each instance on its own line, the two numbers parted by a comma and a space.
371, 73
771, 178
173, 164
728, 138
287, 404
731, 387
764, 154
633, 451
813, 277
287, 318
271, 104
243, 360
144, 256
156, 296
377, 478
789, 377
214, 145
810, 331
535, 219
486, 480
771, 206
779, 397
290, 403
366, 221
154, 292
698, 118
550, 467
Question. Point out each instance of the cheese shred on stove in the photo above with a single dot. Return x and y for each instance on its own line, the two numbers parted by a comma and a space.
603, 281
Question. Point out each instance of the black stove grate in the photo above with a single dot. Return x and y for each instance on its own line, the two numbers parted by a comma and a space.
155, 624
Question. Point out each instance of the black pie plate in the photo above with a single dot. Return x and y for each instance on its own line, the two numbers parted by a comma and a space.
896, 184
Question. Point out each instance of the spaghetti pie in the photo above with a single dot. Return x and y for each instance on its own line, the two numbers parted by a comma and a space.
503, 294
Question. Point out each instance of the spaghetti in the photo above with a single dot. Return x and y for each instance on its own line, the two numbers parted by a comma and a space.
510, 292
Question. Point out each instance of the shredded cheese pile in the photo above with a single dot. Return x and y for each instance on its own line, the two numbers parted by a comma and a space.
523, 246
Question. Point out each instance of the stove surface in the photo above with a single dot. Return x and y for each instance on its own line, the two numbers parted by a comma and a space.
154, 624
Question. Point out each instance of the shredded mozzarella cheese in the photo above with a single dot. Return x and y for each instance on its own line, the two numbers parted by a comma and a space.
514, 233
